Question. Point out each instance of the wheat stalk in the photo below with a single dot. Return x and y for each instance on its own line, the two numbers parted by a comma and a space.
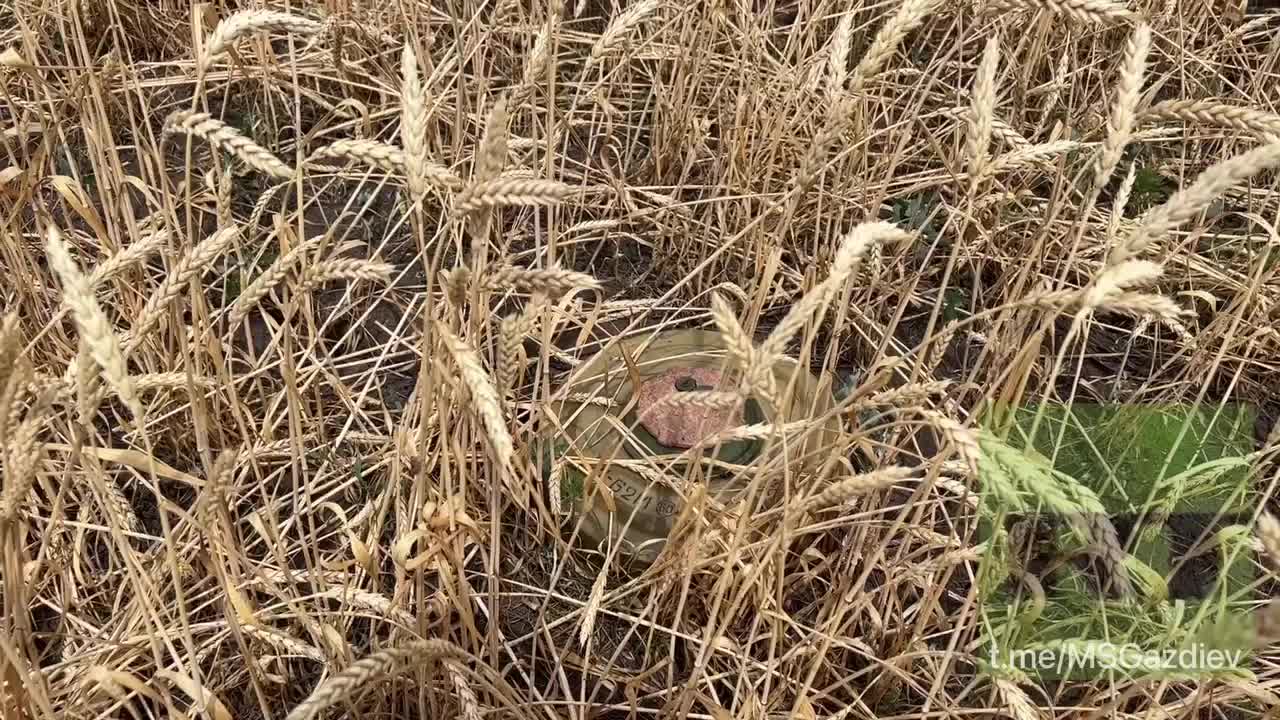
413, 123
978, 137
511, 191
1262, 124
838, 59
221, 135
484, 397
247, 22
344, 269
1120, 121
618, 30
843, 491
92, 322
195, 262
366, 670
1192, 200
1086, 11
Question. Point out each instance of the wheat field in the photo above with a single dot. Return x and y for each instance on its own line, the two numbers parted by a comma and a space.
291, 292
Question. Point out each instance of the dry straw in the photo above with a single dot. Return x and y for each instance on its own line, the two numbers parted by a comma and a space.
248, 22
1192, 200
384, 663
978, 137
195, 262
91, 321
1262, 124
1120, 122
225, 137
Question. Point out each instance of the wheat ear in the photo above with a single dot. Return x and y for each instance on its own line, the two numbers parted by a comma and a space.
1029, 156
535, 65
621, 28
1264, 125
248, 22
258, 288
838, 60
511, 334
841, 492
195, 262
1192, 200
910, 14
552, 281
1120, 277
982, 112
92, 322
14, 374
1268, 531
135, 253
366, 670
344, 269
734, 337
387, 157
852, 249
511, 191
21, 454
413, 123
1086, 11
1120, 122
485, 398
221, 135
